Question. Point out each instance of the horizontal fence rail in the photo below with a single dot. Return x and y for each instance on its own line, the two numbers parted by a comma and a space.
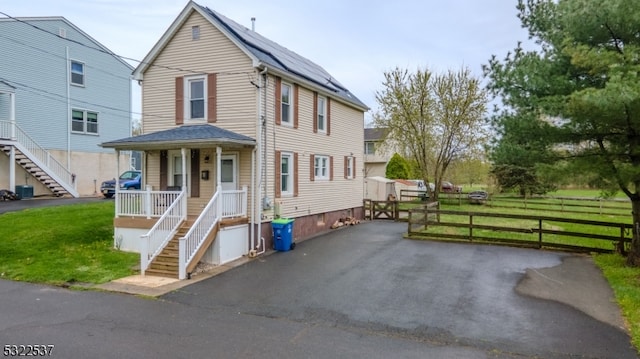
528, 230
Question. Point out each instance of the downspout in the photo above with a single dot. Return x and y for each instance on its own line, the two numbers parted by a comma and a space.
12, 154
252, 231
261, 152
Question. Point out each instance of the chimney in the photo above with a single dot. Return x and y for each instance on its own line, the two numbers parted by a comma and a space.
253, 24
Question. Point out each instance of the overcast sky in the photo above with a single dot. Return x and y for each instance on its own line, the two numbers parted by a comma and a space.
356, 41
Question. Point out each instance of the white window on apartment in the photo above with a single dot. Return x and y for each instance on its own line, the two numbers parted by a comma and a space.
321, 167
349, 167
84, 121
286, 100
77, 73
195, 32
286, 174
195, 97
369, 148
322, 110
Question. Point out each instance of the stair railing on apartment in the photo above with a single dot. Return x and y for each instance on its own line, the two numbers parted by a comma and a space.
194, 239
41, 157
161, 233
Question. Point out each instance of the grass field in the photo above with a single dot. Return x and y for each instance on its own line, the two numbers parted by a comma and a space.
63, 245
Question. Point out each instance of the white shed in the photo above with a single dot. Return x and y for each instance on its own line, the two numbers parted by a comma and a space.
378, 188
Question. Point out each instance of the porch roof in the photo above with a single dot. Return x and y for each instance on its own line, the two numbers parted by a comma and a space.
184, 136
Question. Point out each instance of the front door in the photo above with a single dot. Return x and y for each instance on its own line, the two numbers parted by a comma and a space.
229, 172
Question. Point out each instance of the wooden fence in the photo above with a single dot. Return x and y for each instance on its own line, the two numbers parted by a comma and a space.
392, 210
422, 220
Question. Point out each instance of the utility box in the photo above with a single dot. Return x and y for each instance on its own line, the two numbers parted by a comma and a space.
24, 191
283, 234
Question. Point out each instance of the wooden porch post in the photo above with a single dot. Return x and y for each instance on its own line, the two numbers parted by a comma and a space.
183, 152
219, 178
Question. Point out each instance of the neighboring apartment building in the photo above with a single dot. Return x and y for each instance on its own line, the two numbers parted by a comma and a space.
228, 112
376, 156
61, 94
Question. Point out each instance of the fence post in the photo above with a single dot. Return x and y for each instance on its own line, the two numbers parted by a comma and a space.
144, 252
539, 233
470, 227
409, 222
620, 248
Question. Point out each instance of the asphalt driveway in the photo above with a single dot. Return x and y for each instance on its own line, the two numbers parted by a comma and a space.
366, 279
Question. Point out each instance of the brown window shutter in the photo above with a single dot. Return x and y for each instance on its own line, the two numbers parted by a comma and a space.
296, 92
328, 116
330, 168
346, 162
295, 174
212, 98
278, 101
195, 173
315, 112
179, 100
313, 163
353, 168
164, 165
278, 174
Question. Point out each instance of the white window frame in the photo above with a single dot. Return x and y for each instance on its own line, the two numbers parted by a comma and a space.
195, 32
188, 99
289, 120
289, 174
350, 167
321, 168
72, 72
322, 113
85, 122
366, 148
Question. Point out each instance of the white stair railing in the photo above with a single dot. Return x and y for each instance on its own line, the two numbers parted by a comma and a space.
145, 203
161, 233
234, 203
195, 238
40, 156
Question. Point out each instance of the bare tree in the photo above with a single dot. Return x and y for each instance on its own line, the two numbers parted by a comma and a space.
433, 118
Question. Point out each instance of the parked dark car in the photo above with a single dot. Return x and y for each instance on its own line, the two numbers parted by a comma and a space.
478, 197
449, 187
128, 180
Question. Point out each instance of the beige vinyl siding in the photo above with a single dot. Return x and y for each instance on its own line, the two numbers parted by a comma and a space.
346, 139
212, 53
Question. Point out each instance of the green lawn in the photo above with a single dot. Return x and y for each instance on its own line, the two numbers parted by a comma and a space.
62, 245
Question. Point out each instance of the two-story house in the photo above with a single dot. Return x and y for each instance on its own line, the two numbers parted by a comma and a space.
62, 93
237, 131
376, 155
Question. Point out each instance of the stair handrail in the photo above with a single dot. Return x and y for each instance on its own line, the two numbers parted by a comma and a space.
43, 158
162, 231
191, 243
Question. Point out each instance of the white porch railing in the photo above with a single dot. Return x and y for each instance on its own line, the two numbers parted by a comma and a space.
195, 238
161, 233
234, 203
39, 156
146, 203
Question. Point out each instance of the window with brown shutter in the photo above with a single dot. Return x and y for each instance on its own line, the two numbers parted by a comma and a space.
212, 98
295, 175
179, 100
164, 169
195, 173
278, 101
315, 112
296, 93
330, 168
346, 167
328, 116
278, 183
312, 165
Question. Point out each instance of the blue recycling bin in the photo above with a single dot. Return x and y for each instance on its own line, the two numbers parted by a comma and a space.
283, 234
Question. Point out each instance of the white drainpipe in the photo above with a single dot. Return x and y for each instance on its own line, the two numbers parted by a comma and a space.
261, 164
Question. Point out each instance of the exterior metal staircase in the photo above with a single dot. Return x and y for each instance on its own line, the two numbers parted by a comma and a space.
36, 160
38, 173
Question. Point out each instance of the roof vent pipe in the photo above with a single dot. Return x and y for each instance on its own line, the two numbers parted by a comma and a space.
253, 24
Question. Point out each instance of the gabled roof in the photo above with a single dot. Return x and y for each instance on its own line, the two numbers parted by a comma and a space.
183, 136
374, 134
97, 44
262, 51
